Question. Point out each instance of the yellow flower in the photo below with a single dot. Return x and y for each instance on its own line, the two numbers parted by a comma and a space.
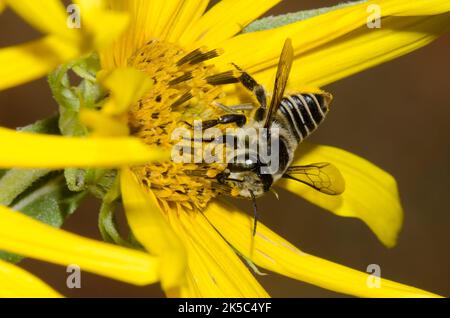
174, 210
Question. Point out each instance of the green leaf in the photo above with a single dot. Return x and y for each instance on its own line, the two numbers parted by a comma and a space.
106, 219
12, 258
70, 98
75, 179
97, 181
16, 181
44, 126
68, 101
273, 22
48, 201
90, 94
87, 68
101, 182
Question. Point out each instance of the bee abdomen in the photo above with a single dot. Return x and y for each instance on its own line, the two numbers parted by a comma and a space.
303, 113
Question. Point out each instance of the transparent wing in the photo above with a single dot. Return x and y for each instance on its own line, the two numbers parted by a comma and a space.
324, 177
284, 68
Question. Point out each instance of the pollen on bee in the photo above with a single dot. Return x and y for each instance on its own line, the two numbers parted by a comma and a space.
235, 192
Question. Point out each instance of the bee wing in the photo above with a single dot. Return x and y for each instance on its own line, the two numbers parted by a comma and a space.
323, 176
284, 68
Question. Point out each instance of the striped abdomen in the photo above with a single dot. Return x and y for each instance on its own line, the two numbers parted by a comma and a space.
303, 113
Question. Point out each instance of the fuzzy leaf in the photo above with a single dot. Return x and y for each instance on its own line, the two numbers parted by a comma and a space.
106, 219
273, 22
44, 126
102, 182
67, 99
16, 181
87, 68
70, 99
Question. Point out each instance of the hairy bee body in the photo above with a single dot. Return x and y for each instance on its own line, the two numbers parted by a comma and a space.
285, 123
303, 113
298, 116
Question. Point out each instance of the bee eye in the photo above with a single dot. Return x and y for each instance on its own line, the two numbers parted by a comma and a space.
250, 164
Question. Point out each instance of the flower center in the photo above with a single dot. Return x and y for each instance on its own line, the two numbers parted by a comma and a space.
184, 90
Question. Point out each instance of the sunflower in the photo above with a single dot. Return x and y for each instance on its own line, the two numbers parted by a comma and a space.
167, 68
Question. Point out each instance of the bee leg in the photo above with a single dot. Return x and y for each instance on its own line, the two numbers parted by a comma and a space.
207, 140
222, 177
239, 119
234, 108
229, 140
252, 85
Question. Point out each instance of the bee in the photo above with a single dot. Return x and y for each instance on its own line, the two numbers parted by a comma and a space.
287, 120
294, 117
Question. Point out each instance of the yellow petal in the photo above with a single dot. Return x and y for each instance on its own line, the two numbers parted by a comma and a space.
48, 16
164, 16
188, 290
152, 230
143, 16
224, 20
106, 27
126, 85
371, 194
18, 283
99, 27
100, 24
214, 268
363, 49
149, 20
2, 5
272, 252
25, 236
102, 124
188, 13
421, 7
25, 150
32, 60
314, 32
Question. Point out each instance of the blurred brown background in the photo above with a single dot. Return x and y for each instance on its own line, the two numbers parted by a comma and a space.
396, 115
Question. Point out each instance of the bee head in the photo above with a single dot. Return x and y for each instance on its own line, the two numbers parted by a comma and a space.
245, 178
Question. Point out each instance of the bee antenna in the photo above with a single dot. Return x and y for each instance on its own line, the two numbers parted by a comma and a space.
255, 213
